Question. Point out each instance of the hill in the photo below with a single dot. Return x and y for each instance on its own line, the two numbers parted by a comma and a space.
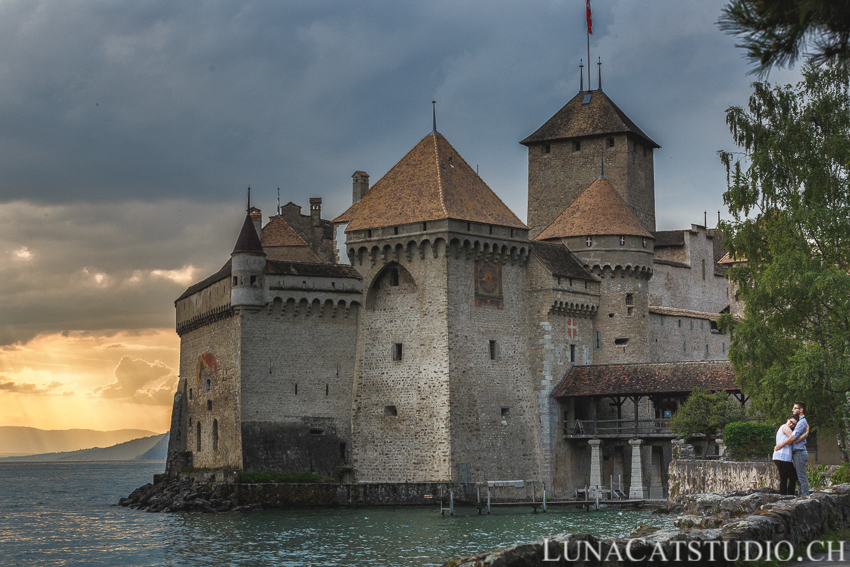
30, 440
151, 448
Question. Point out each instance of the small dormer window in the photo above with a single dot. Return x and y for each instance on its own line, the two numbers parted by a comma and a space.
589, 241
622, 241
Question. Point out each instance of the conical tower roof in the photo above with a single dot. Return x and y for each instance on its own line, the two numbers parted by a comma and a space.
248, 241
432, 182
598, 210
596, 117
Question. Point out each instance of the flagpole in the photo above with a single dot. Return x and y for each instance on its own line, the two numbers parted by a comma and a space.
588, 32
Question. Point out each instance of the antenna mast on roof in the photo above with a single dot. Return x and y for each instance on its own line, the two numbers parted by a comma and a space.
434, 114
278, 201
581, 75
600, 73
249, 200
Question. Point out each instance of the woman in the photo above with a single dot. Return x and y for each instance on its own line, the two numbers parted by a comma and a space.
782, 458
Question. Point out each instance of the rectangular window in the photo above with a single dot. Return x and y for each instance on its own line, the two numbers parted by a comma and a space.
598, 339
494, 350
506, 411
253, 280
390, 411
680, 323
235, 280
703, 268
573, 354
701, 328
692, 324
547, 148
397, 352
630, 299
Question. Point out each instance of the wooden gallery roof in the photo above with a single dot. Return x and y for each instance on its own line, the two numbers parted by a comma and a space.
432, 182
658, 378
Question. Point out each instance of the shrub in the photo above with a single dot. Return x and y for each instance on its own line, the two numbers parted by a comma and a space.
842, 475
276, 477
746, 440
814, 476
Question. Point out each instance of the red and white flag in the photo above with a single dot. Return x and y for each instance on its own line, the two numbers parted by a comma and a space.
589, 20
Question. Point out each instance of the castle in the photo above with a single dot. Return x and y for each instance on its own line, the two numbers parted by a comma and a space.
449, 341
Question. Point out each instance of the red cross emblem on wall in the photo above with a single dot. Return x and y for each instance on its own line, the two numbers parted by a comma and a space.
572, 328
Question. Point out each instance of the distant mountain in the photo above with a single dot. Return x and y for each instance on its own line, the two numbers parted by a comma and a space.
31, 441
151, 448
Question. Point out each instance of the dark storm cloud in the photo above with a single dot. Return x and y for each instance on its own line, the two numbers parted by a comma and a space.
130, 130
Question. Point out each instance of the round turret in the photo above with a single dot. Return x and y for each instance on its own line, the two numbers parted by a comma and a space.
248, 263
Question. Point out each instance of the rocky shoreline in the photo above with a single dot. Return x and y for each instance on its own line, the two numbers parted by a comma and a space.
185, 495
709, 522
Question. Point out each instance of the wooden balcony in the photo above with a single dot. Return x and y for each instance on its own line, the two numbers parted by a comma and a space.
618, 429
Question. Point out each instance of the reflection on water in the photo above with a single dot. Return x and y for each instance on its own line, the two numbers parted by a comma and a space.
60, 514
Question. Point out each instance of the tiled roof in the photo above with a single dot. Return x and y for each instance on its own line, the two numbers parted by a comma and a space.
432, 182
560, 261
598, 210
660, 378
310, 269
278, 233
669, 238
248, 241
600, 116
223, 273
293, 254
676, 312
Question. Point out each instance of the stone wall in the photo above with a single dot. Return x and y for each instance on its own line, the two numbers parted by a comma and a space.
681, 338
689, 477
556, 178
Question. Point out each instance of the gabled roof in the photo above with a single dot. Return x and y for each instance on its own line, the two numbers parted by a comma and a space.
560, 261
278, 233
598, 210
669, 238
311, 269
575, 120
658, 378
223, 273
248, 241
432, 182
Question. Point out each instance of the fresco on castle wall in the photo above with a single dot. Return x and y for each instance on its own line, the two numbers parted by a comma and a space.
488, 285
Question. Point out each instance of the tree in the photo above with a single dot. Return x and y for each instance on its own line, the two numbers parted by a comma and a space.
791, 223
774, 31
704, 413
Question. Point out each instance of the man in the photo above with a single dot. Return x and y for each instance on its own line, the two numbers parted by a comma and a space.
800, 453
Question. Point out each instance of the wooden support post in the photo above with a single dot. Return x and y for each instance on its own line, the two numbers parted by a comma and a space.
544, 498
451, 503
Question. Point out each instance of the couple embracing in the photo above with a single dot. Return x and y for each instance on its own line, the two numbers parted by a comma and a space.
790, 454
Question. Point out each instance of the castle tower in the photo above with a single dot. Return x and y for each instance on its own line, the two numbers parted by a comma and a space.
564, 155
609, 239
442, 390
248, 265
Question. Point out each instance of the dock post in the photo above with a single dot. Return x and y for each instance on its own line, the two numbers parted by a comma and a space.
488, 499
597, 497
533, 494
611, 494
544, 498
451, 503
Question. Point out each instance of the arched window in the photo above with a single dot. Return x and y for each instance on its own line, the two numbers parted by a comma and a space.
215, 435
199, 437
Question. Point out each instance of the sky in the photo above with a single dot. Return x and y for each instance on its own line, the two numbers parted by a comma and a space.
129, 132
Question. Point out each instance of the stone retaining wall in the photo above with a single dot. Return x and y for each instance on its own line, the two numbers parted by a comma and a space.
727, 522
688, 476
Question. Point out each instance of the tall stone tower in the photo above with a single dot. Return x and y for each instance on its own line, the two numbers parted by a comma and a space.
564, 158
248, 264
603, 232
440, 383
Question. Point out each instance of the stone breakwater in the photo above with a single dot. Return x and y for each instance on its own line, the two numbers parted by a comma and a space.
220, 492
712, 530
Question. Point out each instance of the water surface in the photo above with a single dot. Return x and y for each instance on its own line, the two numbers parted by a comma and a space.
62, 514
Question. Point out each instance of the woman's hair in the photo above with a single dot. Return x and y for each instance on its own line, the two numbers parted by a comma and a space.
794, 418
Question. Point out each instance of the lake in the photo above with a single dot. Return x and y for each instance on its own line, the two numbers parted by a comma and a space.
62, 514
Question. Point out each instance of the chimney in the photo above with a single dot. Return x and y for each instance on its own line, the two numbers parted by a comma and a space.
257, 218
359, 186
316, 210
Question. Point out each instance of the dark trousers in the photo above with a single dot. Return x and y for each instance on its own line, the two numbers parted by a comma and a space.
787, 476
